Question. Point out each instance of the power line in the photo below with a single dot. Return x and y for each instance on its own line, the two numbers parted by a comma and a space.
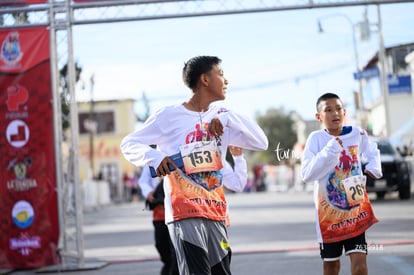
267, 84
295, 79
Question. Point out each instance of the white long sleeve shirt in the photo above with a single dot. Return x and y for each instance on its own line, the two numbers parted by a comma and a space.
328, 165
146, 182
174, 126
237, 176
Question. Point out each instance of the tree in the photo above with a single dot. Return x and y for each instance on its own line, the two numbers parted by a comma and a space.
146, 108
278, 127
64, 92
19, 18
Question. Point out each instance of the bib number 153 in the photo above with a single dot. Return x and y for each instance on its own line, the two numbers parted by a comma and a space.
201, 156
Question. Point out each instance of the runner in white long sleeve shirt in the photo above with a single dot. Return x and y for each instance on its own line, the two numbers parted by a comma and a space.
195, 205
332, 161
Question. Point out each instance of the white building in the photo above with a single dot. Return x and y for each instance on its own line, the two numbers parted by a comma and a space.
400, 102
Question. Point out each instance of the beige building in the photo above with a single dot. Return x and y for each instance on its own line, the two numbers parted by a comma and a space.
102, 125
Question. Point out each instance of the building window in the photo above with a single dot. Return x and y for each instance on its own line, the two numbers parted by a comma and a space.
100, 122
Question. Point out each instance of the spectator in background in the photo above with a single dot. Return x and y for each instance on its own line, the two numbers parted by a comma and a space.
406, 151
127, 188
153, 191
135, 190
399, 151
259, 178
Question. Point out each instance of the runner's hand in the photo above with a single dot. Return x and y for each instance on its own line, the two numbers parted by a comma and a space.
339, 141
215, 127
370, 174
235, 151
163, 168
150, 196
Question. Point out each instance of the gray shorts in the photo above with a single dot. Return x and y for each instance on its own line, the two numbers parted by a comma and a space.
201, 246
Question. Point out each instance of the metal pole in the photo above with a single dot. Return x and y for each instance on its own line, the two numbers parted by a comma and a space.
356, 57
92, 130
74, 136
360, 90
383, 74
57, 123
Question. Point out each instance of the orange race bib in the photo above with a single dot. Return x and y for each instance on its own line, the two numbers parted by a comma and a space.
201, 156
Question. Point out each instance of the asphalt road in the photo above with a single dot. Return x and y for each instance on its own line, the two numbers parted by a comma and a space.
270, 233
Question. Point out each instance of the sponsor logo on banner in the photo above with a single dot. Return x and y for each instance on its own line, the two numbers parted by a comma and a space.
23, 214
17, 133
25, 243
17, 97
21, 182
10, 49
29, 228
20, 51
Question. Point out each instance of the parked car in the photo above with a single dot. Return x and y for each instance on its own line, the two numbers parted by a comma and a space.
395, 170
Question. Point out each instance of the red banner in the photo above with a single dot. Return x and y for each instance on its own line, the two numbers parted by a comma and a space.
29, 211
21, 2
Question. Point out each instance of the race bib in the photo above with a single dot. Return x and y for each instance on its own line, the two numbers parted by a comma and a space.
201, 156
354, 188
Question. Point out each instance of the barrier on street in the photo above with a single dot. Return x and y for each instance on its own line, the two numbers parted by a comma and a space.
95, 193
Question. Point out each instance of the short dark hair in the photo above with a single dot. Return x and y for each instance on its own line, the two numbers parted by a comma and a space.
325, 97
197, 66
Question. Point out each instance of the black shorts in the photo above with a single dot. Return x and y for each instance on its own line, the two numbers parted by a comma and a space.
333, 251
134, 191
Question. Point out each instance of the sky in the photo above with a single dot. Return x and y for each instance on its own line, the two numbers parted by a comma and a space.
271, 59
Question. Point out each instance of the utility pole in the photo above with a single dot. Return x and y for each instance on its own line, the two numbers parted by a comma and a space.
361, 107
384, 75
92, 128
